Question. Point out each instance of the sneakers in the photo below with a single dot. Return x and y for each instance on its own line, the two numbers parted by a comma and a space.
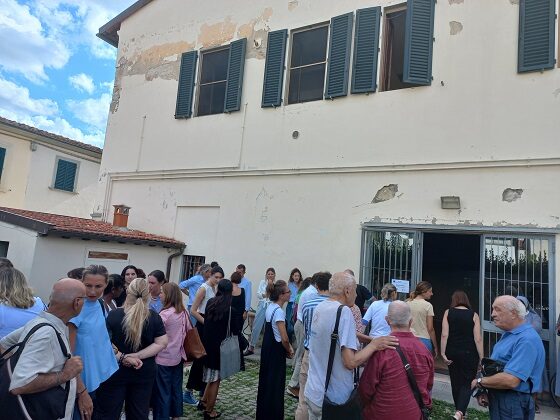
189, 399
292, 392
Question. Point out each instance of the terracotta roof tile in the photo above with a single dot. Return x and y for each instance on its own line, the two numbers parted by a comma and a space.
62, 139
93, 229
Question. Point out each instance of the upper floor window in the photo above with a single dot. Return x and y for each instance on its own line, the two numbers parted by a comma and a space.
212, 82
2, 158
65, 176
307, 65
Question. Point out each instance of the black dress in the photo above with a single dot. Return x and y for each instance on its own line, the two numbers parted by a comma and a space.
272, 376
238, 303
215, 332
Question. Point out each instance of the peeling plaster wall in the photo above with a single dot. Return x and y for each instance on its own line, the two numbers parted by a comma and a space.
472, 114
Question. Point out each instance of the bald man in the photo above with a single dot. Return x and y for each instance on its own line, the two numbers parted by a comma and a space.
508, 394
44, 363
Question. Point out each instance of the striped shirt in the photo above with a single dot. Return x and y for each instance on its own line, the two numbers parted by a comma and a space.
307, 315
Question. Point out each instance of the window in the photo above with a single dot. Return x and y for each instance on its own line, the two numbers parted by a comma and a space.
213, 80
4, 249
190, 265
2, 158
65, 177
307, 65
393, 50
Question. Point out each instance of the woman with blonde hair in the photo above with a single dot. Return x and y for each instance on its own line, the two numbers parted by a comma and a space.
139, 334
423, 316
168, 397
17, 303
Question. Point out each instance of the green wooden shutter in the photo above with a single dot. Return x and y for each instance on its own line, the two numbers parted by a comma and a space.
65, 175
2, 158
536, 35
274, 68
339, 56
185, 89
234, 84
418, 42
366, 47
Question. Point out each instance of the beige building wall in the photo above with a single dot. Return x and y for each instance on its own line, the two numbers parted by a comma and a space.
270, 199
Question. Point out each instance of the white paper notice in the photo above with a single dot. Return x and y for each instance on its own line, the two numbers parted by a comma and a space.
403, 286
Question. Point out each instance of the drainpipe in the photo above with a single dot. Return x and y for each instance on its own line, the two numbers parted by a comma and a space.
170, 261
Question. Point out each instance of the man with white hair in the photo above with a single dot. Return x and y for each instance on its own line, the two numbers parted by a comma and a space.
342, 291
521, 351
385, 390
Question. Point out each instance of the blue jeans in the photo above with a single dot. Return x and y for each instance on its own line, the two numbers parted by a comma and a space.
511, 405
168, 396
428, 343
289, 324
258, 323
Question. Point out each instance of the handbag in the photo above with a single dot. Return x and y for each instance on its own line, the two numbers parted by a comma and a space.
192, 344
48, 404
230, 355
352, 408
490, 367
412, 381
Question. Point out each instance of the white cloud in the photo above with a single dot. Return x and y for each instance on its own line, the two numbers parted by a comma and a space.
92, 111
82, 82
27, 46
16, 99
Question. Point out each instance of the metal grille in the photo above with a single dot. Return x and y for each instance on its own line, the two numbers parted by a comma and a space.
190, 265
387, 256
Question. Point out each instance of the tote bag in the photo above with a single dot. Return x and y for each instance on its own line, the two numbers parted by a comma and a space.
194, 349
230, 355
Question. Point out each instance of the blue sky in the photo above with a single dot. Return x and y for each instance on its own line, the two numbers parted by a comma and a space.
55, 74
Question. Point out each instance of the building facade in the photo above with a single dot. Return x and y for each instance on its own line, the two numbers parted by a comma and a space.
406, 140
45, 172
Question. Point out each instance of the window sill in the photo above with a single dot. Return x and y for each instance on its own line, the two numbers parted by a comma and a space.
63, 191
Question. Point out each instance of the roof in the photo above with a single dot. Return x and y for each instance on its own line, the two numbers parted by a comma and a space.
62, 141
109, 31
47, 224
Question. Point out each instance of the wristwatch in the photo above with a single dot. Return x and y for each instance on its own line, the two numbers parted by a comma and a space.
479, 383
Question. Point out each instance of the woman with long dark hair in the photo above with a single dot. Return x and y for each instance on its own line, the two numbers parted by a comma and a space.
423, 316
461, 349
238, 303
128, 274
275, 348
216, 324
293, 283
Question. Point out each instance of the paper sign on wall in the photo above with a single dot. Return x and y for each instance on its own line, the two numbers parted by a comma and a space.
403, 286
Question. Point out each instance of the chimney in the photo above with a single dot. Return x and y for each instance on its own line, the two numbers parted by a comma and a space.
120, 217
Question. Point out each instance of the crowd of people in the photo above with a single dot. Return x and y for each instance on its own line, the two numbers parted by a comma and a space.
123, 345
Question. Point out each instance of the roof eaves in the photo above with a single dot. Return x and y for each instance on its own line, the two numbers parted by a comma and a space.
25, 222
110, 237
109, 31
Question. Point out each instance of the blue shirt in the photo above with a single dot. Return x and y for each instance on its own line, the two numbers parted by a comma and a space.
93, 345
294, 289
522, 351
307, 315
192, 285
246, 285
156, 305
12, 318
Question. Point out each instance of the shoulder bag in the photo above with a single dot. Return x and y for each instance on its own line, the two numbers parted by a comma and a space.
352, 408
48, 405
192, 344
230, 355
413, 385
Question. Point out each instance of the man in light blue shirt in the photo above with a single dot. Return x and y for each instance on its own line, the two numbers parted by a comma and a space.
522, 352
245, 285
191, 286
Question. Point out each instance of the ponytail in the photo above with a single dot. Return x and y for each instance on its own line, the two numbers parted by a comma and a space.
420, 289
136, 312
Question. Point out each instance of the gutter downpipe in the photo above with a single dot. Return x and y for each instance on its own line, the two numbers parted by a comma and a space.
170, 261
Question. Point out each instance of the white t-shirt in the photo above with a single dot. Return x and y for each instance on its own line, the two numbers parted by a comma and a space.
305, 296
279, 315
376, 313
209, 294
342, 380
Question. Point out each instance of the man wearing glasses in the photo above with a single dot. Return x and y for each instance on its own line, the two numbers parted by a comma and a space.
42, 364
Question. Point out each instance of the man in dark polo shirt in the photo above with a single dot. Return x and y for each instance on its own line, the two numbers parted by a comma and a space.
521, 350
384, 386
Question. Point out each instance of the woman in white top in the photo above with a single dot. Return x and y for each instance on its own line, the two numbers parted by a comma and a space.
275, 348
258, 323
206, 292
377, 312
17, 304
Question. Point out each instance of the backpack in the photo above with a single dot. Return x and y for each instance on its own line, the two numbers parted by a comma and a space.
45, 405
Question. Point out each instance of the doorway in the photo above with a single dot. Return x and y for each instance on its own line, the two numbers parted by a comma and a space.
451, 262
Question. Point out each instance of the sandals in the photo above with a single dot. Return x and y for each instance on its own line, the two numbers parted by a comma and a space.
207, 415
